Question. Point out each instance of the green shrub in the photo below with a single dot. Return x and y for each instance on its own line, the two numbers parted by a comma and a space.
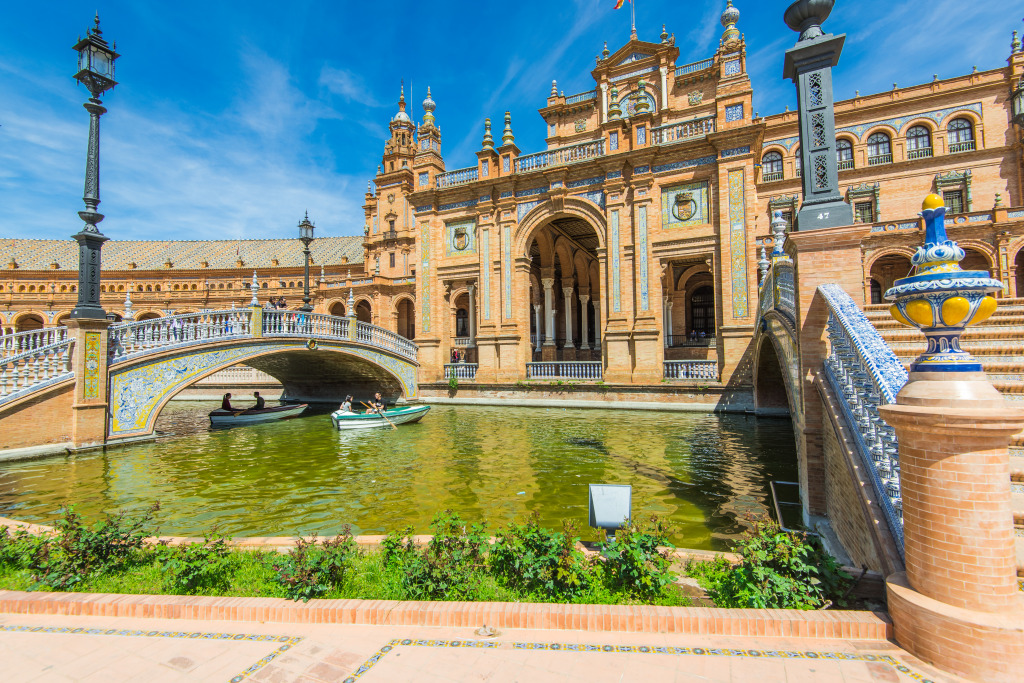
77, 551
449, 567
779, 569
197, 566
310, 570
537, 560
633, 562
453, 382
397, 548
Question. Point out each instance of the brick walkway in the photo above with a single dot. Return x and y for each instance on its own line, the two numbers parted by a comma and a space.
38, 647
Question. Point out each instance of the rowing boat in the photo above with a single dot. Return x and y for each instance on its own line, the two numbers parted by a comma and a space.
398, 416
234, 418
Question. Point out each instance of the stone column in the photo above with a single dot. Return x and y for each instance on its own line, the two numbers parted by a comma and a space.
472, 314
604, 103
536, 325
664, 87
584, 322
597, 323
549, 310
668, 321
569, 349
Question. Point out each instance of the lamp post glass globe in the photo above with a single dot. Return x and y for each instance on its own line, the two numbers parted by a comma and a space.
1017, 104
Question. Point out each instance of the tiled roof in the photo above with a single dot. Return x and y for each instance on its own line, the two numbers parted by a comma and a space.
183, 255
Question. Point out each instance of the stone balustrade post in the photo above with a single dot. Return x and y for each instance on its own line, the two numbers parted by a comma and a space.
89, 360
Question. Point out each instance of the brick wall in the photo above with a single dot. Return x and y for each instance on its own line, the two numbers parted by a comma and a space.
40, 420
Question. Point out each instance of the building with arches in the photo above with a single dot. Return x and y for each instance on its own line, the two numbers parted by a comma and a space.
629, 244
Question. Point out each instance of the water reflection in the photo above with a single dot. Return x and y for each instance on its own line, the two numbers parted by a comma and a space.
705, 473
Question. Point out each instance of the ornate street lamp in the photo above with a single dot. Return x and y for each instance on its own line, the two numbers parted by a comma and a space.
95, 72
306, 236
1017, 103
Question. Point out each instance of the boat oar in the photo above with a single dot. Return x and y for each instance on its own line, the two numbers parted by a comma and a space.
380, 413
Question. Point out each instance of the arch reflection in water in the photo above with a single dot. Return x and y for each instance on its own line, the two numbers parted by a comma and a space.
704, 473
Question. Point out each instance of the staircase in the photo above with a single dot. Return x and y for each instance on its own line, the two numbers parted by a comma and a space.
999, 344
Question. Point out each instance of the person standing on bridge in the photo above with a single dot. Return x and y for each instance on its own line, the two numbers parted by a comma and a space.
260, 403
225, 403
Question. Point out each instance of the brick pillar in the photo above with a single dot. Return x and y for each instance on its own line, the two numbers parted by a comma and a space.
829, 255
89, 361
957, 605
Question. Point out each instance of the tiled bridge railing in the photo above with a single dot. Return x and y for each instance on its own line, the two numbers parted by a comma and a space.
864, 373
129, 340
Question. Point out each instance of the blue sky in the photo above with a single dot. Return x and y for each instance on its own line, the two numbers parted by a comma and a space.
234, 118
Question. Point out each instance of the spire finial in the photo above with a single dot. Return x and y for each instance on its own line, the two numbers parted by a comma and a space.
507, 138
605, 52
554, 88
730, 16
664, 35
488, 140
614, 111
428, 109
1015, 44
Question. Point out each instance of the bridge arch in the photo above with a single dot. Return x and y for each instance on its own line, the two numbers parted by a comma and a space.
140, 387
776, 367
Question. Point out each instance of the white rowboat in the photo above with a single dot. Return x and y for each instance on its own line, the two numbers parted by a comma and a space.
234, 418
398, 416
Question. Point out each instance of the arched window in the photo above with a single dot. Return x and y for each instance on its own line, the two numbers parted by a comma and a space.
771, 166
960, 134
844, 153
879, 149
919, 142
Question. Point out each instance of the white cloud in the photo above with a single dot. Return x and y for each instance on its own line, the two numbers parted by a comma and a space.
344, 83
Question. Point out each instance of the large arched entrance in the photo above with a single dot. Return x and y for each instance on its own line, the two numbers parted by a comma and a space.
770, 397
406, 322
364, 313
564, 293
338, 309
1018, 263
28, 323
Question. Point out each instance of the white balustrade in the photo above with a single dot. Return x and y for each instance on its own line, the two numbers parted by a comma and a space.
129, 339
683, 131
35, 367
20, 342
560, 156
238, 374
458, 177
581, 97
694, 67
460, 370
578, 369
460, 341
706, 370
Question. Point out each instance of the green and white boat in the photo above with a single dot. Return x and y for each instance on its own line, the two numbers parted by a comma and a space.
397, 416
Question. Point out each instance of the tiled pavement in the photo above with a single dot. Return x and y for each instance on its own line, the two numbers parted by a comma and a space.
114, 649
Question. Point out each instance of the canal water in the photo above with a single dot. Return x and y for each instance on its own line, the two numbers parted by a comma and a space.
707, 474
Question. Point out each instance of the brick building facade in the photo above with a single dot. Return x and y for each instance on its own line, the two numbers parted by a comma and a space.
630, 244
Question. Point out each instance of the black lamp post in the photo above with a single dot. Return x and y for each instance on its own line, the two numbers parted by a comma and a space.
1017, 103
306, 236
95, 72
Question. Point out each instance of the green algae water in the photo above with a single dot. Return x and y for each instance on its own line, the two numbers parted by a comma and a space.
707, 474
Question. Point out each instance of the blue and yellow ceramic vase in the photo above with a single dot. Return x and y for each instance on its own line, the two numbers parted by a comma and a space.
942, 300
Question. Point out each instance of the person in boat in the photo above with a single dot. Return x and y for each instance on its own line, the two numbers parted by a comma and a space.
346, 405
377, 403
260, 403
225, 403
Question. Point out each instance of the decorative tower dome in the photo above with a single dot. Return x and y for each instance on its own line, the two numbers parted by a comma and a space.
401, 115
730, 17
428, 110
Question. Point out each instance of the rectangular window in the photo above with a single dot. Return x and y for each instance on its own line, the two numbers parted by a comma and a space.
864, 212
391, 226
954, 200
613, 140
788, 215
552, 129
641, 135
424, 178
392, 255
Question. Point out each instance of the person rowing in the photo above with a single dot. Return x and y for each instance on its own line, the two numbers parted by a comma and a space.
260, 402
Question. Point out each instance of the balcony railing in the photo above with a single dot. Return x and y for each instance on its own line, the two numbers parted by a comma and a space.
771, 177
845, 165
692, 369
458, 177
460, 370
694, 67
967, 146
462, 341
686, 130
698, 342
578, 369
880, 159
919, 153
560, 156
582, 97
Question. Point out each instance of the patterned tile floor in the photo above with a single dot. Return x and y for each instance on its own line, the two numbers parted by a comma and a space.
56, 648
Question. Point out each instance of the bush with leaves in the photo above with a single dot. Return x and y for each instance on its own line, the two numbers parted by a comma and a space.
77, 551
779, 569
397, 548
449, 567
16, 549
538, 560
310, 569
634, 562
195, 567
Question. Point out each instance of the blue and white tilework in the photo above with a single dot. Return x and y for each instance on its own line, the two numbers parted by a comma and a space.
734, 112
689, 163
